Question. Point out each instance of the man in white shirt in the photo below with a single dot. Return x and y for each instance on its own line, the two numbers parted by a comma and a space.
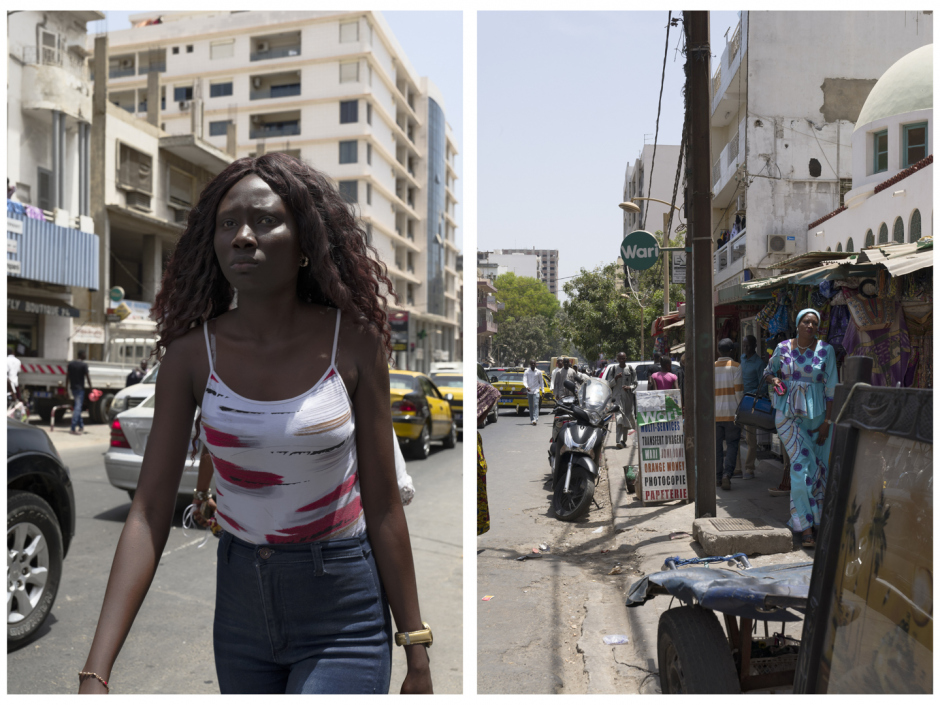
13, 374
532, 378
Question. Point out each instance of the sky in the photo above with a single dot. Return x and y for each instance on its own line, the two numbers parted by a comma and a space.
433, 43
564, 101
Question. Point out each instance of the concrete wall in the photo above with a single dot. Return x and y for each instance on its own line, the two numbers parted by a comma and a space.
664, 176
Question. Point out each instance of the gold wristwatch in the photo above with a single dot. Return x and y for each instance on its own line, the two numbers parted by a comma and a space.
422, 636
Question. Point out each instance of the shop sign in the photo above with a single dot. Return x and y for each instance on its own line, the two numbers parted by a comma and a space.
662, 461
42, 309
398, 323
639, 250
89, 333
658, 405
678, 267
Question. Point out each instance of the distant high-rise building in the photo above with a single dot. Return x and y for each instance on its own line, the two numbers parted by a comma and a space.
546, 262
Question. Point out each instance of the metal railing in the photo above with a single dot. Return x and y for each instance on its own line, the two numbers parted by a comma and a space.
275, 53
733, 149
735, 44
274, 129
731, 251
159, 68
121, 73
275, 92
716, 172
48, 56
716, 82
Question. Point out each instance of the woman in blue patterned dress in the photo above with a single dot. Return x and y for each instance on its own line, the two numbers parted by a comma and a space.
806, 367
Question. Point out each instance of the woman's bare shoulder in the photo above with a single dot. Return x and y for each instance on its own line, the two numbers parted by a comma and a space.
187, 355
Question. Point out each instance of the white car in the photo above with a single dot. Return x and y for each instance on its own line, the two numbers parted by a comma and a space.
129, 434
136, 394
642, 372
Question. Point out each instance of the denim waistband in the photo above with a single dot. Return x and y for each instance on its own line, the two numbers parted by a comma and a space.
317, 551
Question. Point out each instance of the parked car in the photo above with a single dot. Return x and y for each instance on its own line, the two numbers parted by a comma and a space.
420, 413
40, 527
134, 395
123, 460
452, 383
493, 415
513, 394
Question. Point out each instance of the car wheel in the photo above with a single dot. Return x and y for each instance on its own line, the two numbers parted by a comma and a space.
694, 654
450, 440
34, 565
495, 414
421, 446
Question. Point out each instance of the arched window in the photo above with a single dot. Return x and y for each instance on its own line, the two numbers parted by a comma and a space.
883, 234
869, 239
850, 246
915, 226
839, 247
899, 230
828, 249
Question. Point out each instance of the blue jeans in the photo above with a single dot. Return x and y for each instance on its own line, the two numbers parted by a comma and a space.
300, 618
533, 407
79, 395
726, 431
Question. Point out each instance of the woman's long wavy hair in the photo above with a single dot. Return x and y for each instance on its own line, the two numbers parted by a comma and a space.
344, 270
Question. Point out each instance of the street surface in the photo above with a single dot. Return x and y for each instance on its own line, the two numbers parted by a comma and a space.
169, 649
543, 630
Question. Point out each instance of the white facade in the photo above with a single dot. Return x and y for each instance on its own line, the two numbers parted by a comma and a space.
636, 183
786, 94
902, 208
519, 264
335, 89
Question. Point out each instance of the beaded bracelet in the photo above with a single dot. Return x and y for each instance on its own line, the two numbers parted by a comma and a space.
90, 673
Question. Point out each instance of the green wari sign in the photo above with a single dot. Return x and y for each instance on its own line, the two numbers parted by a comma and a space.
639, 250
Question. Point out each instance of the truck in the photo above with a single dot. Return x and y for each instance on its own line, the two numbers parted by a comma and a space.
44, 384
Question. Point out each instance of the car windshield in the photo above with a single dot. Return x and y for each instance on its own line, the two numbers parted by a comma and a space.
508, 376
442, 380
594, 395
401, 381
151, 377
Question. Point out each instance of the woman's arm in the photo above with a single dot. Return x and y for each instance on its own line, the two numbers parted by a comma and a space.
381, 504
148, 522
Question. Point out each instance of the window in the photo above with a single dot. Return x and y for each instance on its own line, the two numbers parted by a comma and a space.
869, 239
845, 185
348, 152
850, 246
369, 194
880, 152
349, 190
176, 50
219, 128
369, 113
134, 170
898, 230
349, 111
349, 72
222, 50
181, 93
915, 226
285, 90
883, 234
915, 143
348, 32
839, 247
189, 48
217, 90
368, 153
181, 189
45, 189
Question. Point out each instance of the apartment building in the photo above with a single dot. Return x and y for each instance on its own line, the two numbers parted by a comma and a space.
637, 184
519, 264
546, 264
786, 96
336, 90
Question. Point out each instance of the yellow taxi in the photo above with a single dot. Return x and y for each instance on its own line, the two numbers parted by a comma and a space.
513, 392
420, 413
450, 382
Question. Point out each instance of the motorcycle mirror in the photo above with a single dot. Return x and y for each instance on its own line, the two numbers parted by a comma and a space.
570, 385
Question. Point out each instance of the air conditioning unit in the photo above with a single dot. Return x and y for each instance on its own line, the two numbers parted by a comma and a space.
742, 203
781, 244
138, 200
184, 105
264, 46
256, 82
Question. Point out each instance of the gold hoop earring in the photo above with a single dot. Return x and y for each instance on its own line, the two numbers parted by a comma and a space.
304, 261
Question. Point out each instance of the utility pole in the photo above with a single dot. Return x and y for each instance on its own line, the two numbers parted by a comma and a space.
703, 318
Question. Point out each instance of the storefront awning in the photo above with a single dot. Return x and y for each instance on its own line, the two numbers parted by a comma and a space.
45, 307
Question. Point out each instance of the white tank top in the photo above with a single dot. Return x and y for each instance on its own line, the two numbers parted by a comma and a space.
285, 471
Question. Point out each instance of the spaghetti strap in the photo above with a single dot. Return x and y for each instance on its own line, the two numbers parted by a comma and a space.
335, 339
209, 348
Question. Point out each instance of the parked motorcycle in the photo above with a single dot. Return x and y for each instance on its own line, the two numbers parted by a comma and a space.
578, 433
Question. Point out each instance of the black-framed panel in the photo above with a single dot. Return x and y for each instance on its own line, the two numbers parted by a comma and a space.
869, 621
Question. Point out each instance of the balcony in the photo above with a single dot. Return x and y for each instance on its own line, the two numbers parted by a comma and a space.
729, 259
275, 125
724, 169
275, 46
55, 80
729, 83
275, 85
122, 66
488, 302
486, 326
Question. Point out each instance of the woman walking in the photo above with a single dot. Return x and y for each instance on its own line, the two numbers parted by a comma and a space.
803, 373
665, 378
293, 391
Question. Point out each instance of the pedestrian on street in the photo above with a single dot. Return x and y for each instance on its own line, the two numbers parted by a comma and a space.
752, 374
313, 532
655, 367
623, 384
552, 381
13, 374
487, 395
77, 374
804, 370
729, 390
533, 386
136, 374
664, 378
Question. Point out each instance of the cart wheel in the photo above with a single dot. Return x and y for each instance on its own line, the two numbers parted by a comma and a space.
694, 653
